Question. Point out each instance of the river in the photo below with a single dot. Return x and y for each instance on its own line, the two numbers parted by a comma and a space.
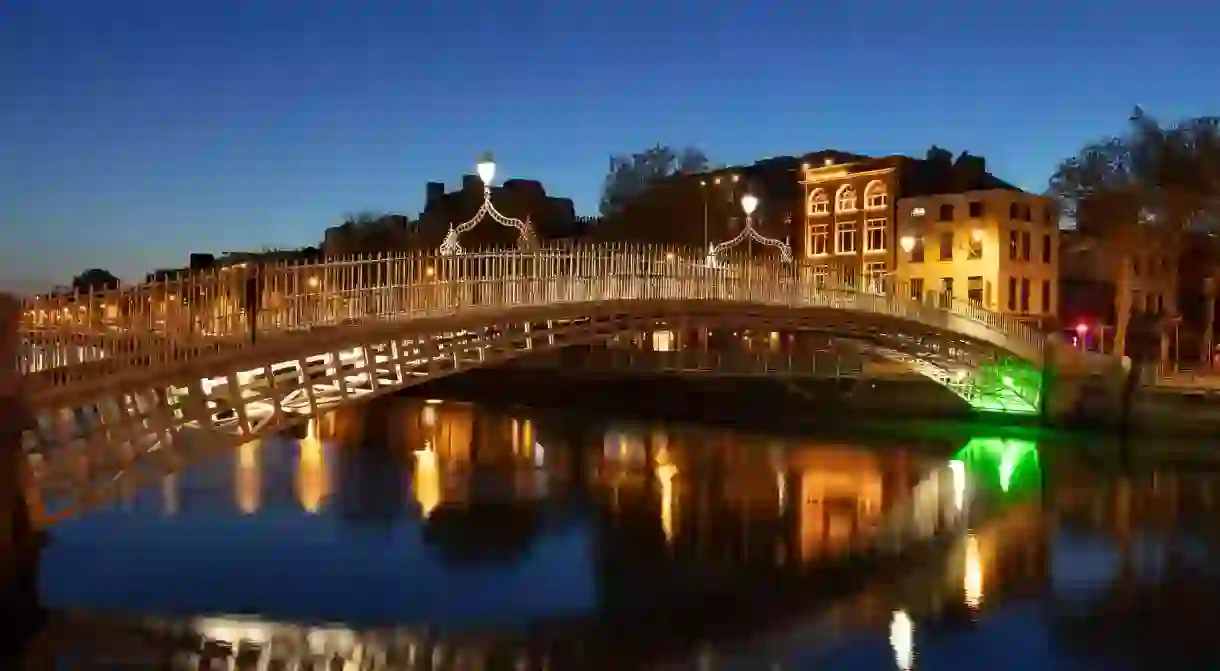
434, 534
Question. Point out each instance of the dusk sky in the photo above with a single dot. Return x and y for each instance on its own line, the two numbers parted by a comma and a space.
134, 132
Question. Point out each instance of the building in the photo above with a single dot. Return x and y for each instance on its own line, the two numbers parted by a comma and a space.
998, 248
970, 234
523, 199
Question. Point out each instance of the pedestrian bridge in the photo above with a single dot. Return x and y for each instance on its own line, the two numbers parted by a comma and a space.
227, 356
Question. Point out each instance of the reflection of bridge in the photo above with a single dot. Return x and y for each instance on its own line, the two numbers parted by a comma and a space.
741, 517
233, 355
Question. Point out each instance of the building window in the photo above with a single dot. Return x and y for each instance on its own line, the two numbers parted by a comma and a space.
1013, 211
1013, 243
976, 209
1046, 297
1024, 294
946, 246
1048, 216
874, 277
819, 239
974, 289
875, 196
1160, 303
917, 288
917, 250
1046, 248
1012, 294
846, 237
820, 276
845, 199
874, 235
1026, 252
946, 212
976, 245
819, 203
847, 276
946, 291
1025, 213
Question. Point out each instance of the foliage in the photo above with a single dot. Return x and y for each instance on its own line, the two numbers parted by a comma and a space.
1153, 180
94, 279
629, 176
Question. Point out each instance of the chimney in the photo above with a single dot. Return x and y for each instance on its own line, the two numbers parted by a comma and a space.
433, 191
471, 183
940, 156
971, 170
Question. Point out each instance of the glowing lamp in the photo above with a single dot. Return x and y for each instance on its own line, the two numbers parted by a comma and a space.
486, 168
977, 235
1082, 329
749, 203
907, 242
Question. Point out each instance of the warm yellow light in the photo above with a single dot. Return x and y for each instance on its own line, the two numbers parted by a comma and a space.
977, 235
669, 256
735, 179
902, 640
665, 474
429, 271
427, 478
428, 416
749, 202
313, 282
907, 242
972, 581
249, 483
312, 477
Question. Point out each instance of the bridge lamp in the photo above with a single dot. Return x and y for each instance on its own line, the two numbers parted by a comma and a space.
486, 168
313, 282
1082, 329
907, 242
429, 271
977, 235
749, 203
669, 256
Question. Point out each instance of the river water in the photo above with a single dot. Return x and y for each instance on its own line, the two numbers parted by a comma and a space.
430, 534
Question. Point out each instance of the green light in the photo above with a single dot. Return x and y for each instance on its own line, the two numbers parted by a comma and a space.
1007, 464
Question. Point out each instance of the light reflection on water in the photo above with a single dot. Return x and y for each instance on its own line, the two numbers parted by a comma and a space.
409, 515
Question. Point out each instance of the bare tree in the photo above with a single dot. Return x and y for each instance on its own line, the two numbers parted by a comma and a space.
630, 176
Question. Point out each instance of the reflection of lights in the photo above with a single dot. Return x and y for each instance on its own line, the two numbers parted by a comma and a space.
434, 401
249, 478
312, 477
1008, 464
958, 469
972, 582
427, 478
539, 455
428, 416
902, 639
662, 341
665, 474
169, 493
781, 488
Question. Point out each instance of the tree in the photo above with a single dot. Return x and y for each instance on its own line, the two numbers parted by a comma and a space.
630, 176
94, 279
1152, 182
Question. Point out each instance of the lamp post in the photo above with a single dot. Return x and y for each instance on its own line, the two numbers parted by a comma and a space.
749, 203
486, 169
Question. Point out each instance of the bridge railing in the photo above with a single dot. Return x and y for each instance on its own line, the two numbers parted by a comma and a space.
71, 338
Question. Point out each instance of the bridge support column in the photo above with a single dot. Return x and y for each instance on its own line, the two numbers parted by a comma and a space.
18, 542
1079, 388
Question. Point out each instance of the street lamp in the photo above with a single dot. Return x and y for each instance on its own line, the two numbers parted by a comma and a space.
486, 168
749, 203
977, 235
907, 242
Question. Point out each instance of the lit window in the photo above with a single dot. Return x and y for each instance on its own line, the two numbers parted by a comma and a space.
845, 200
846, 237
917, 212
874, 277
819, 203
875, 196
819, 239
874, 235
820, 276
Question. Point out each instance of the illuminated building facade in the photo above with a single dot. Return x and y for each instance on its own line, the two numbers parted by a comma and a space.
998, 248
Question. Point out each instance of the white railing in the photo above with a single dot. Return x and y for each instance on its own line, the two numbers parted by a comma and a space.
69, 339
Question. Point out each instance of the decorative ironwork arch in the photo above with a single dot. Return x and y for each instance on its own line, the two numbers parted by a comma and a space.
525, 231
749, 233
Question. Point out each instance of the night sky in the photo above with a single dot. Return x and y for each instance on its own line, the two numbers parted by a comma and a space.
133, 132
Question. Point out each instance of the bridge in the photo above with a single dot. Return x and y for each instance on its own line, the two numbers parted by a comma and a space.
224, 357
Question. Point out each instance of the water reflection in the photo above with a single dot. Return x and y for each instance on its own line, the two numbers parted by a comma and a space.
446, 535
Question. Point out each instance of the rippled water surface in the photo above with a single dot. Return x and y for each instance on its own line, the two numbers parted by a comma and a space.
441, 535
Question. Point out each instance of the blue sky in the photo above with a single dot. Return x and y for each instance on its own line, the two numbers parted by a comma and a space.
133, 132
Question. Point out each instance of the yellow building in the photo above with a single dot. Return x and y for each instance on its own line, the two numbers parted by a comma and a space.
998, 248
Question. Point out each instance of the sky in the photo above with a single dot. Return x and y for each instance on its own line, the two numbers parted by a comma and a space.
133, 132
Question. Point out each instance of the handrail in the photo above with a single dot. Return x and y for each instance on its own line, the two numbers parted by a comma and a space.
71, 338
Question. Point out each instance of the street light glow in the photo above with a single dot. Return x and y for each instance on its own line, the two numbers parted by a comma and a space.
749, 203
486, 168
907, 242
977, 235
